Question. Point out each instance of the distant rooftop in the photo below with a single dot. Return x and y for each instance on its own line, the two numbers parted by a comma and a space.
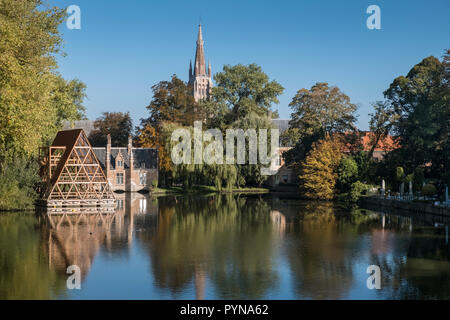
86, 125
282, 124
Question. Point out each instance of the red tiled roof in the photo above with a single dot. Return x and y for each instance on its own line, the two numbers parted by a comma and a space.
366, 137
386, 144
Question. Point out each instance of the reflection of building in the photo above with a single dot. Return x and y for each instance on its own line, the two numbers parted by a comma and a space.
136, 203
278, 221
128, 169
76, 239
199, 78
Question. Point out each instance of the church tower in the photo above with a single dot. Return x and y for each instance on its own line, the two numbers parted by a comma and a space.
199, 77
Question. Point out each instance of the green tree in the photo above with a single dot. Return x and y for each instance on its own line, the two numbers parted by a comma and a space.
243, 90
420, 104
242, 99
317, 112
18, 177
34, 99
380, 123
118, 124
173, 102
67, 98
250, 174
322, 108
347, 173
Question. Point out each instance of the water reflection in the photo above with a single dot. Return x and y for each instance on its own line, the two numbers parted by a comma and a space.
230, 246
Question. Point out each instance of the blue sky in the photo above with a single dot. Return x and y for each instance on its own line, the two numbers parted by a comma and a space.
125, 47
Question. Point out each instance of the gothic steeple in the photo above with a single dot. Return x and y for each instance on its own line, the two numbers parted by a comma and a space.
200, 66
200, 77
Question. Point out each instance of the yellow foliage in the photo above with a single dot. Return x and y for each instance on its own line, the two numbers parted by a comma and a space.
318, 171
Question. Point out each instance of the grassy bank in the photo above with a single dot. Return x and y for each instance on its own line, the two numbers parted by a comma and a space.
206, 189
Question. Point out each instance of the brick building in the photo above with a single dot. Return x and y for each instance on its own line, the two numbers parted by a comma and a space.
128, 168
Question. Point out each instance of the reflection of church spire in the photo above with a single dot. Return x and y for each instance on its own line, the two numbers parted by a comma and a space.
199, 279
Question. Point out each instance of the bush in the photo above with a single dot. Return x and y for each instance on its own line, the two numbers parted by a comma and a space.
155, 184
357, 190
347, 172
419, 177
399, 174
429, 190
18, 178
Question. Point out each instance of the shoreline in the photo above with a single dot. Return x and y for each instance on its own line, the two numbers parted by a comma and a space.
409, 206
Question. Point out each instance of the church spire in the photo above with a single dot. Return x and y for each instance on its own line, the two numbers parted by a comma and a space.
200, 65
199, 73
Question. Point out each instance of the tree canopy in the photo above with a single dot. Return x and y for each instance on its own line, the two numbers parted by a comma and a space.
318, 175
420, 104
34, 99
118, 124
317, 112
172, 102
242, 90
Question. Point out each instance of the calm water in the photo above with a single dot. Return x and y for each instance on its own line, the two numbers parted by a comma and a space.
224, 247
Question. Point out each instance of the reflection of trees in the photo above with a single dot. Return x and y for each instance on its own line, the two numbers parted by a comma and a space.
423, 259
227, 237
23, 272
320, 250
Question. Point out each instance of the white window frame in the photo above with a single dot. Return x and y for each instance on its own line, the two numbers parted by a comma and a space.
122, 180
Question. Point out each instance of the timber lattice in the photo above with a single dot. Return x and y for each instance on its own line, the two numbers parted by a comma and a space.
73, 176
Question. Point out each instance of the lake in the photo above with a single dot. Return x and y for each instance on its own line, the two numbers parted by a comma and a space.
224, 247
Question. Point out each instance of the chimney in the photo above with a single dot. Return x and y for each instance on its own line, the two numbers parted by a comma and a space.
108, 155
130, 151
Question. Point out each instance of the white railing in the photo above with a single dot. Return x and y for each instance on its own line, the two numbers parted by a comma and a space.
409, 197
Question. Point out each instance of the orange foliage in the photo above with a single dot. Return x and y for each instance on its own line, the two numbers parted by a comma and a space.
150, 137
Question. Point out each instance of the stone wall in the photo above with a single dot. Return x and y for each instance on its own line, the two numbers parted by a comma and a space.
415, 207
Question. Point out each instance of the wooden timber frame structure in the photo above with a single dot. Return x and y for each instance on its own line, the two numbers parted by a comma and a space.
73, 176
